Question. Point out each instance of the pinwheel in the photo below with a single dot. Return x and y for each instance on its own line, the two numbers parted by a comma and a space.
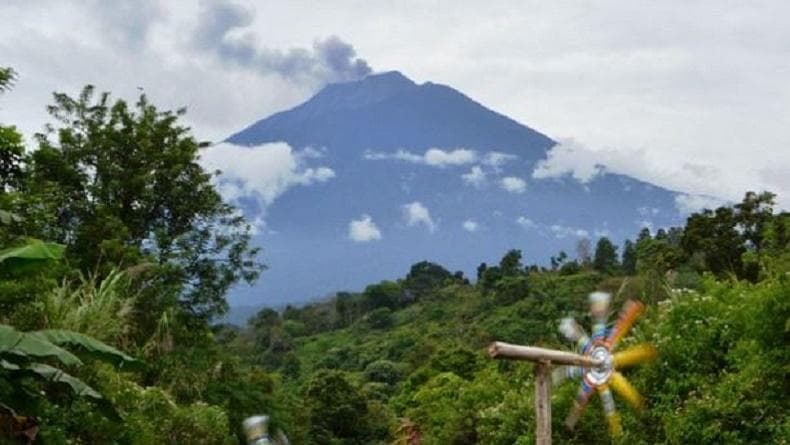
602, 347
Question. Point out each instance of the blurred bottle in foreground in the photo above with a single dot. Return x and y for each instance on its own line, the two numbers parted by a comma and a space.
256, 428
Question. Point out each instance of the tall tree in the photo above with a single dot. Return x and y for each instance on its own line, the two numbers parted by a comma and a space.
629, 257
510, 264
605, 260
11, 148
715, 237
753, 215
123, 186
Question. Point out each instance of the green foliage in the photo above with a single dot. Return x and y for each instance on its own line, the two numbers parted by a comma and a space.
339, 412
383, 371
122, 185
605, 259
101, 309
7, 76
380, 318
11, 155
386, 294
425, 277
629, 257
32, 253
723, 362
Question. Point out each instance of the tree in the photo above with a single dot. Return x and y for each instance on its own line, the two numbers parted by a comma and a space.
753, 215
11, 148
263, 324
424, 277
123, 186
629, 257
7, 76
384, 294
557, 262
380, 318
605, 260
510, 264
383, 371
338, 410
715, 236
481, 269
346, 308
11, 152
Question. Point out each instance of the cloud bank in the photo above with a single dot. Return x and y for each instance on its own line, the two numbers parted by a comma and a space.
262, 172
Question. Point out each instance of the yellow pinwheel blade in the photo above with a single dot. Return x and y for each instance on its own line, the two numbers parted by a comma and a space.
612, 416
623, 387
615, 424
632, 309
634, 355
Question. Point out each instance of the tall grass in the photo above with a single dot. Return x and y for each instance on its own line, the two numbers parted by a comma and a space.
99, 307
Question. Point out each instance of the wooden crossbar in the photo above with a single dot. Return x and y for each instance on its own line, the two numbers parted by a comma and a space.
501, 350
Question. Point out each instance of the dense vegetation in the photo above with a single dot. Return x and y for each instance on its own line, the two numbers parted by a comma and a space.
116, 253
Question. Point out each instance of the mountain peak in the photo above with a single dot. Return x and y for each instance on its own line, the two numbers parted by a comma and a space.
387, 110
358, 93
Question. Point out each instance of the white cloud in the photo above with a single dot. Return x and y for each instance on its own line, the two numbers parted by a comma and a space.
470, 225
434, 157
497, 158
513, 184
263, 172
569, 158
475, 177
561, 231
694, 203
441, 158
415, 214
363, 230
526, 223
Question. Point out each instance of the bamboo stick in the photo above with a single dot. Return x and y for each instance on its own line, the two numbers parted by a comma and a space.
499, 349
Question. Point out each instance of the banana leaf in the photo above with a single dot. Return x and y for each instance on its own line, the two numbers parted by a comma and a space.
52, 375
25, 345
29, 257
92, 347
34, 250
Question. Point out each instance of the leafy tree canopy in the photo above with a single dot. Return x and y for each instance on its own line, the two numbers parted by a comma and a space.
121, 184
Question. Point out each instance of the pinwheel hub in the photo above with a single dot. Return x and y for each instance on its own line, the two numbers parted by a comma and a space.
600, 374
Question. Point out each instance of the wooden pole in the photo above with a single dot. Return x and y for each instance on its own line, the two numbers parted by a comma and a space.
542, 403
499, 349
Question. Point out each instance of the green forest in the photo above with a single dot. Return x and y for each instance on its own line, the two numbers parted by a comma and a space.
117, 254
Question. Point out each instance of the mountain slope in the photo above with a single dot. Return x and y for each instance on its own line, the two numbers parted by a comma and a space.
391, 143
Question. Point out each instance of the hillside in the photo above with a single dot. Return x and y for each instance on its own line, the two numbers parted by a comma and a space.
409, 356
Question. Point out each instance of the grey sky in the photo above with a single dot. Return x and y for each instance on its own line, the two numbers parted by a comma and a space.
693, 96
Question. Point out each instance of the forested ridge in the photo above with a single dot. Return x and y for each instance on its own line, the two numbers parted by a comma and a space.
117, 252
